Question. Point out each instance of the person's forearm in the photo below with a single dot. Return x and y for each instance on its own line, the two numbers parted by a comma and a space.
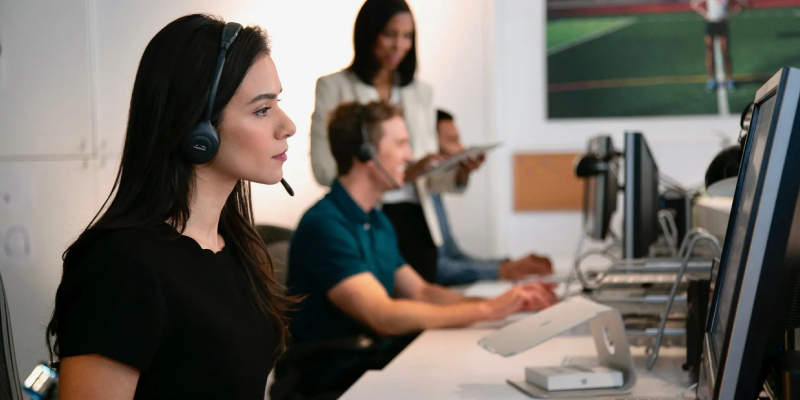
453, 269
436, 294
408, 316
695, 5
735, 9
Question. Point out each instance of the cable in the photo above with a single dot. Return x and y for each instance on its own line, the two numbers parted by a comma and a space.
574, 270
605, 251
683, 392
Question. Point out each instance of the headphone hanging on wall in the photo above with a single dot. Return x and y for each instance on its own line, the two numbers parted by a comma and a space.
367, 150
201, 145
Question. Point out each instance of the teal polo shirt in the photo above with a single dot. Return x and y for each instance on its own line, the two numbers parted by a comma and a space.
335, 240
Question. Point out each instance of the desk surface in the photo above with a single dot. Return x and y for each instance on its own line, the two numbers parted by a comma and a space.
449, 364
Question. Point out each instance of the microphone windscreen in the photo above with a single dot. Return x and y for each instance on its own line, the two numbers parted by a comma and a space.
287, 187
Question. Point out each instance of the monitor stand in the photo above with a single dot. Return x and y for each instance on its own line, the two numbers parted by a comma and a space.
608, 331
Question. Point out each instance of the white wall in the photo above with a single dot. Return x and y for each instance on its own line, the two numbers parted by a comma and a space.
683, 147
455, 57
65, 88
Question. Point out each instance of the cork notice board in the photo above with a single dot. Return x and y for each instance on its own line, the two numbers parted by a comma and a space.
546, 182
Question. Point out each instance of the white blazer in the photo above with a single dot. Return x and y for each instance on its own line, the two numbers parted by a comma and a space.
420, 117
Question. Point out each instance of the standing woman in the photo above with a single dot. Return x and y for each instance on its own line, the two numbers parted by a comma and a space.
383, 68
170, 293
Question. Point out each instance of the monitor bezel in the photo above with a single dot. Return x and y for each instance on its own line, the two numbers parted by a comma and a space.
750, 333
634, 143
713, 355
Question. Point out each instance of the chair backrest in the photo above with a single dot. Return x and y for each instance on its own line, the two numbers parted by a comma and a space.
10, 385
277, 240
271, 233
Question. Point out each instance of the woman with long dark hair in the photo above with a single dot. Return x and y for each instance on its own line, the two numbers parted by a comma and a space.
169, 293
384, 68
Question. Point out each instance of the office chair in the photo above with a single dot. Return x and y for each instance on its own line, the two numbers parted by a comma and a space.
289, 373
293, 381
271, 234
277, 240
10, 387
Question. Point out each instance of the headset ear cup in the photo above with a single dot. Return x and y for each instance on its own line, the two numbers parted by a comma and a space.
202, 144
366, 152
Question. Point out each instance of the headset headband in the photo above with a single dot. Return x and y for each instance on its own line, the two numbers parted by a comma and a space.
229, 33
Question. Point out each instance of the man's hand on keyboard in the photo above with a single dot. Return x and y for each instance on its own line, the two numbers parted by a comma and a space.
531, 264
530, 296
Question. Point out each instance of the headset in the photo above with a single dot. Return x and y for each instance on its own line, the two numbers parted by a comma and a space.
367, 150
201, 145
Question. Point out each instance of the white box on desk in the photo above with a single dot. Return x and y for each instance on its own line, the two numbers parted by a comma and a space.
573, 377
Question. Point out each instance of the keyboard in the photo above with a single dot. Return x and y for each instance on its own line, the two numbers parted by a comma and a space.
640, 279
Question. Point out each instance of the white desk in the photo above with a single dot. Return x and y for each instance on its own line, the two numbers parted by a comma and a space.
448, 364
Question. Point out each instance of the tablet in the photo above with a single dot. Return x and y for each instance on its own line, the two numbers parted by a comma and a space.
454, 160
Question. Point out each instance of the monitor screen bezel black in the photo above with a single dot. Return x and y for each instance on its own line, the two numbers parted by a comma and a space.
752, 337
713, 355
635, 244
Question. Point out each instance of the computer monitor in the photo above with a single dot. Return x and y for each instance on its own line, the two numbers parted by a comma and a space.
10, 387
754, 293
641, 197
600, 190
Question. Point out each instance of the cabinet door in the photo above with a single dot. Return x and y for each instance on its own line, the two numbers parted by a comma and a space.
45, 95
44, 206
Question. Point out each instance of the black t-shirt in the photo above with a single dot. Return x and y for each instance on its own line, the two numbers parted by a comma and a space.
181, 314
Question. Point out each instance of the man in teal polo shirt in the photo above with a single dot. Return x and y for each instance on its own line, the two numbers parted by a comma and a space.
344, 257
